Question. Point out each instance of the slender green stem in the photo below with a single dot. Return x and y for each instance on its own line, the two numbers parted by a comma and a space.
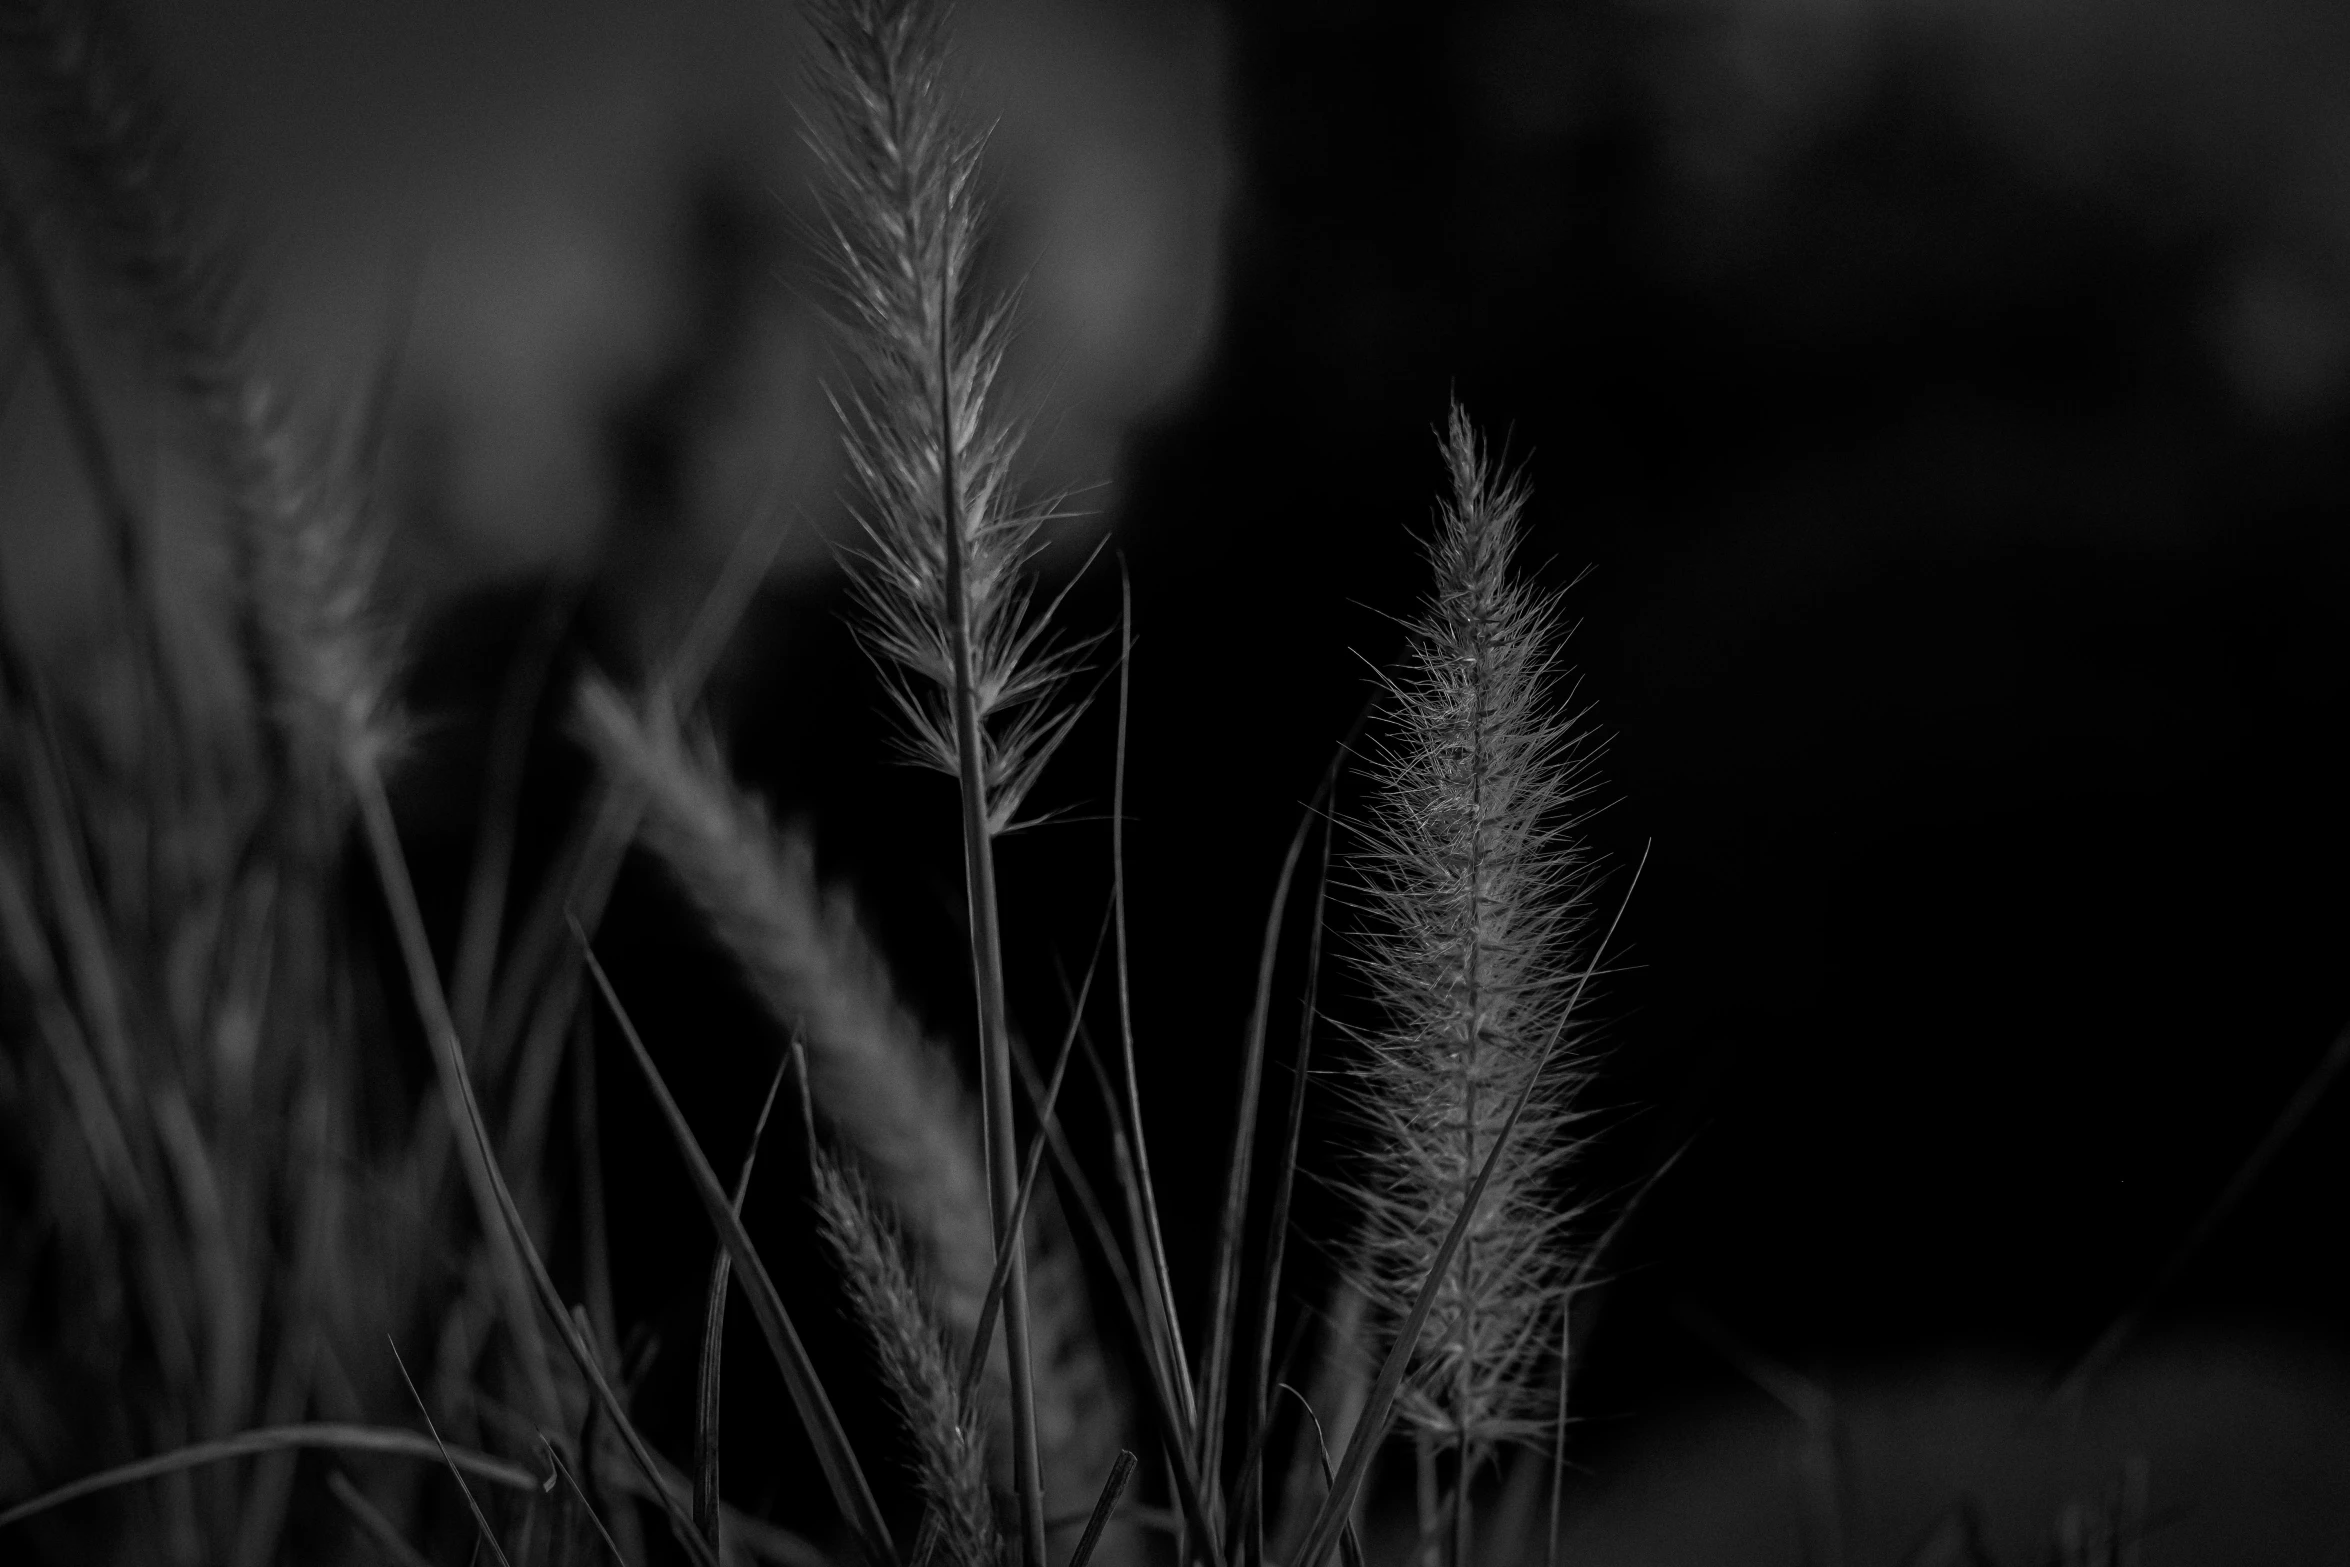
1460, 1500
987, 964
1142, 1199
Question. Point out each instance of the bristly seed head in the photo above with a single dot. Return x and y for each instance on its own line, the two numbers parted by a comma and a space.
1478, 889
950, 1463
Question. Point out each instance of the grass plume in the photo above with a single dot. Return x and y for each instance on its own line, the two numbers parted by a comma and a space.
916, 1365
1477, 886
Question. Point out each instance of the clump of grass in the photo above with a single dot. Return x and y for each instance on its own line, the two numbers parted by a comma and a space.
180, 923
181, 942
951, 1461
170, 888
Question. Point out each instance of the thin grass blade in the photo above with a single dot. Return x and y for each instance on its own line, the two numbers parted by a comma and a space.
1350, 1548
976, 1363
1174, 1433
499, 812
1232, 1225
536, 978
1165, 1332
1112, 1488
841, 1470
1285, 1177
481, 1522
390, 1440
424, 981
714, 1336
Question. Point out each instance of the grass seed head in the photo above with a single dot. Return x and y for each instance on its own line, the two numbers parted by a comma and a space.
1477, 888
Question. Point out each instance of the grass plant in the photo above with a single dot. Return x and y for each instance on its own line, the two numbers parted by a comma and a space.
234, 1179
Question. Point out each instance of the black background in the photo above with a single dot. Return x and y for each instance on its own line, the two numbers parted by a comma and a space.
1969, 641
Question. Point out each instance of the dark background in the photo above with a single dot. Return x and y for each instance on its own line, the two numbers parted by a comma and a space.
1938, 411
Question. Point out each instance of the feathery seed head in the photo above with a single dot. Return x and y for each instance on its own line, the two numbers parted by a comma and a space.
1477, 888
940, 572
950, 1462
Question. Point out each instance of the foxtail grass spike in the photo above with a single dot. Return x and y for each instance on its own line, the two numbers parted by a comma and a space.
950, 1459
1478, 890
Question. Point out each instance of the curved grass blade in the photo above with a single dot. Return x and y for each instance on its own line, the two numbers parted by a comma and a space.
392, 1441
1163, 1330
1371, 1429
1232, 1224
714, 1337
841, 1470
1350, 1548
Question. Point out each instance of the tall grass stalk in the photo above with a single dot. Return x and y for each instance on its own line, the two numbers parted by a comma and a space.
940, 575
